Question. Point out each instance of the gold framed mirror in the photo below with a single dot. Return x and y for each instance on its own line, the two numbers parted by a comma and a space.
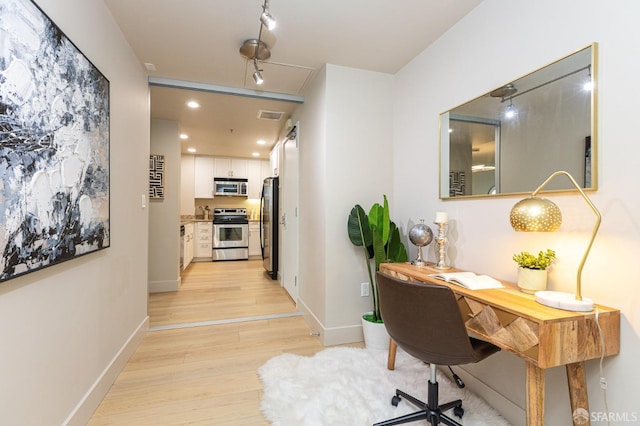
510, 139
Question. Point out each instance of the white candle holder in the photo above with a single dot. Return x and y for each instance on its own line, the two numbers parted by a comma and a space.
441, 240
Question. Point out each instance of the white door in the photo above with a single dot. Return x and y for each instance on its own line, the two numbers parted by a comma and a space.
289, 216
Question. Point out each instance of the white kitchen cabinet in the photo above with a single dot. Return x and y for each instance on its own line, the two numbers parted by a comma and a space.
254, 239
230, 167
261, 171
188, 244
258, 171
203, 177
203, 239
266, 169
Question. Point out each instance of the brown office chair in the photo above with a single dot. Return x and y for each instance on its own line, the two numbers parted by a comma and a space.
425, 321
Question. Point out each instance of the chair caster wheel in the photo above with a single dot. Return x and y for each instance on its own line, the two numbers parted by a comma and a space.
395, 400
458, 411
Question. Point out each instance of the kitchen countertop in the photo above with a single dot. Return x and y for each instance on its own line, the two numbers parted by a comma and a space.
185, 220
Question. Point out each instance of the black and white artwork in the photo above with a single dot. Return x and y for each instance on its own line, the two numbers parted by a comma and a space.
156, 177
54, 145
587, 162
457, 183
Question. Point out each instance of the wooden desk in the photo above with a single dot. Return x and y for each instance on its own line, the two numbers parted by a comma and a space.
544, 337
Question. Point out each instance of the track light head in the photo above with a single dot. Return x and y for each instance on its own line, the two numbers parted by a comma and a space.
510, 112
257, 77
256, 49
267, 19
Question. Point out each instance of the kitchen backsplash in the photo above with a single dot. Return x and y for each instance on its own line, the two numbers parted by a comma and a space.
251, 204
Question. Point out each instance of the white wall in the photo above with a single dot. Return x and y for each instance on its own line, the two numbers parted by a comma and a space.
497, 42
360, 159
312, 139
345, 158
187, 187
164, 214
64, 325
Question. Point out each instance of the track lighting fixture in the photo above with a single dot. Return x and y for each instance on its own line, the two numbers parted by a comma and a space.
256, 49
266, 18
257, 77
588, 84
509, 92
510, 112
504, 91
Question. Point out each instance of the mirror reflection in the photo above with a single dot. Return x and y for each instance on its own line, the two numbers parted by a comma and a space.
510, 139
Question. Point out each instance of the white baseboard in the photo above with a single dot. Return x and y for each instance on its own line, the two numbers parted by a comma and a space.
163, 286
94, 396
331, 336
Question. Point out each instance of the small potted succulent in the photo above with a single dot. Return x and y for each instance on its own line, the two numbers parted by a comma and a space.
532, 270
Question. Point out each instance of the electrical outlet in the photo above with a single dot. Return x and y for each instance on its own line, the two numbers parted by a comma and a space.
364, 289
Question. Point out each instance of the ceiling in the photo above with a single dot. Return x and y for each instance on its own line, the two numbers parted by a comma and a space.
195, 43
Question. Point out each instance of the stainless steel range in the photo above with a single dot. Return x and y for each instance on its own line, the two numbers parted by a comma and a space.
230, 234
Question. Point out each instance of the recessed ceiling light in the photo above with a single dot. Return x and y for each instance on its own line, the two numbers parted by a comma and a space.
191, 150
256, 154
193, 104
184, 136
262, 142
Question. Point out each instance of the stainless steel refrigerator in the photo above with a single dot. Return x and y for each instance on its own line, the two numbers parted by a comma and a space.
269, 226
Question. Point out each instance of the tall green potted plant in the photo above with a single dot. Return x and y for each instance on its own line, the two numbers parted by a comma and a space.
380, 240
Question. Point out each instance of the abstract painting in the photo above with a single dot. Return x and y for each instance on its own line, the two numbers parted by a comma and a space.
156, 177
54, 145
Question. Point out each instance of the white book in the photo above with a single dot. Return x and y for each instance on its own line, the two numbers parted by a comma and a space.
469, 280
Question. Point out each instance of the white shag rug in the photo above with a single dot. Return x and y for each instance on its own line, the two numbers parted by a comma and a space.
351, 387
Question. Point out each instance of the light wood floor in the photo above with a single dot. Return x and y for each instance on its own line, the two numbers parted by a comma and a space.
207, 375
220, 290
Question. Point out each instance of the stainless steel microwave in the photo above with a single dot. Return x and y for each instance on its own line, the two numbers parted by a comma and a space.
230, 186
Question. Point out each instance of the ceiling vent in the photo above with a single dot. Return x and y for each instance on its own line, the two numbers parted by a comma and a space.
270, 115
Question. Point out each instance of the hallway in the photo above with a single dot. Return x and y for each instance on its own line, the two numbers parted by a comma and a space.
219, 291
187, 371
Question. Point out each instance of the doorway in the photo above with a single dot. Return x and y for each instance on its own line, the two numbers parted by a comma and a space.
289, 213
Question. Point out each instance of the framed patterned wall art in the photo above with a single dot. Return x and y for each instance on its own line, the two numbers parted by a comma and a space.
457, 183
156, 177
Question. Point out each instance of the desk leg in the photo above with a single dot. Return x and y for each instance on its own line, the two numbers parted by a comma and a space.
391, 358
535, 395
578, 393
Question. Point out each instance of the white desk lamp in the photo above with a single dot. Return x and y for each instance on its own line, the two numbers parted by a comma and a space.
536, 214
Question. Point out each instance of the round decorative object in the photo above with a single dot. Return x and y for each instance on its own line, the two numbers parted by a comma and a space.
420, 235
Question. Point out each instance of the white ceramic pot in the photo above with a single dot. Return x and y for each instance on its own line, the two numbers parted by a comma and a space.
532, 280
375, 335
